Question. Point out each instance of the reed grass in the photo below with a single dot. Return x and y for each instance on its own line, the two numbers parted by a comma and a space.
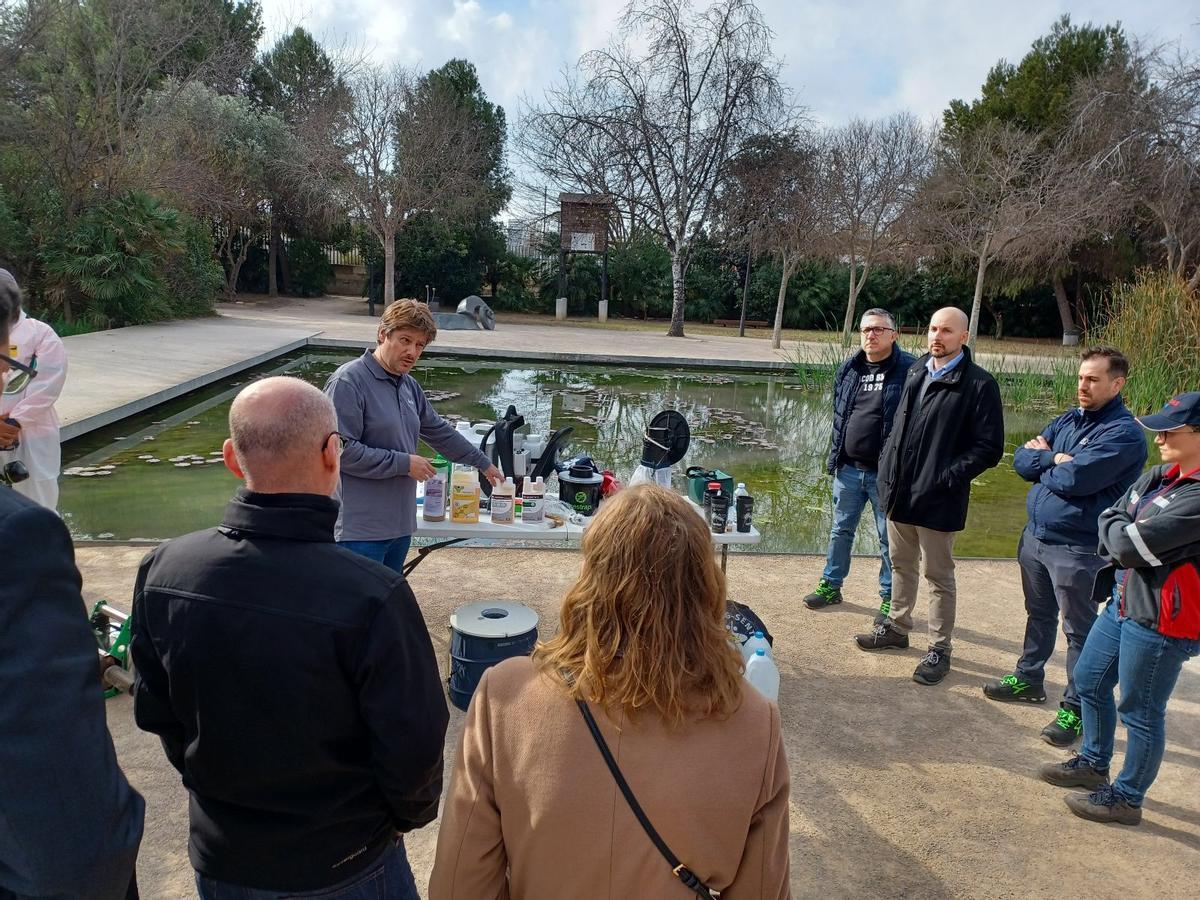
1155, 321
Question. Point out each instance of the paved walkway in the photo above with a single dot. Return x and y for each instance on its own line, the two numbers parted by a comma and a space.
114, 374
118, 373
343, 321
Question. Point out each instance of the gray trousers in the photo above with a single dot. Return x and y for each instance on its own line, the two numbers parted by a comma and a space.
1056, 578
917, 551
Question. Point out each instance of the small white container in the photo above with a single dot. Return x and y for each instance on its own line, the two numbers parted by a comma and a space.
502, 502
533, 501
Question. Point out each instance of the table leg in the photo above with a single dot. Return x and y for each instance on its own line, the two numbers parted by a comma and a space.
724, 557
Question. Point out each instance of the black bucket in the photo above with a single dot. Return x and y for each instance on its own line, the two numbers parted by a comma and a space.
579, 487
483, 634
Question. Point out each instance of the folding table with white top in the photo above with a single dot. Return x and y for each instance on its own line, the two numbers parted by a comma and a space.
450, 533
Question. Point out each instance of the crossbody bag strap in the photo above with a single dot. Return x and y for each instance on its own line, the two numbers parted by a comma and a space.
682, 872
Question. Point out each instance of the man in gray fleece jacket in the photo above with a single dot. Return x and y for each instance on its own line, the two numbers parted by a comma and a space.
381, 413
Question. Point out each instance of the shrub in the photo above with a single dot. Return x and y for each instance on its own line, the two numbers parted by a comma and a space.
194, 278
113, 255
310, 267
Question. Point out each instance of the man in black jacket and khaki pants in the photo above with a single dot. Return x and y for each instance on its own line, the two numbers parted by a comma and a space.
293, 683
949, 428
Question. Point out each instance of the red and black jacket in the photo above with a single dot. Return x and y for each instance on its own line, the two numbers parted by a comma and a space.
1153, 532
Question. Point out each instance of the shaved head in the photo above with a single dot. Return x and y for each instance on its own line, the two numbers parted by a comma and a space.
952, 315
278, 429
948, 331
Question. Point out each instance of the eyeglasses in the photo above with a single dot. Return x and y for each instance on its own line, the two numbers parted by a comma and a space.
1191, 429
341, 442
875, 329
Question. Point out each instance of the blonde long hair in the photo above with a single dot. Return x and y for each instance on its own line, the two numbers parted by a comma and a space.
644, 625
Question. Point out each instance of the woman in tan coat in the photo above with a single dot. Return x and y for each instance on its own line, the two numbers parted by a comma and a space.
533, 811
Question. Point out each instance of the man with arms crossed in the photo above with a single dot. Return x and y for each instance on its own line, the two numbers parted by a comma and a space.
949, 428
866, 392
1080, 464
292, 682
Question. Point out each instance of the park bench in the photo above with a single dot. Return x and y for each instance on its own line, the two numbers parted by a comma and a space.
750, 323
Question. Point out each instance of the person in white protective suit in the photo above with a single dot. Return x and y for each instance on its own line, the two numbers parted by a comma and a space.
30, 403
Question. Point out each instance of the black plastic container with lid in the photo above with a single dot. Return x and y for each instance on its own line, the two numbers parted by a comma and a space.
579, 487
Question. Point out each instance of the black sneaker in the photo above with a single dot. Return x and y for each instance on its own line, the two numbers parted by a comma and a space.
1104, 805
1011, 689
826, 594
933, 668
883, 636
1065, 728
885, 608
1075, 772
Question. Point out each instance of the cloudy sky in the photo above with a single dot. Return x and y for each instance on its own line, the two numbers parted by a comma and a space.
842, 59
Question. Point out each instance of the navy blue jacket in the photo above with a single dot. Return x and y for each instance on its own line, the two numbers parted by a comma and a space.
845, 389
70, 824
1065, 502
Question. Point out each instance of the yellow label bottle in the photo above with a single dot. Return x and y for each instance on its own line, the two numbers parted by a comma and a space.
464, 495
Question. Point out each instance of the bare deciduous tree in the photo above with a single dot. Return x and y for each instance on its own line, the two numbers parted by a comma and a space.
1000, 194
21, 24
1144, 126
660, 113
775, 191
403, 151
873, 170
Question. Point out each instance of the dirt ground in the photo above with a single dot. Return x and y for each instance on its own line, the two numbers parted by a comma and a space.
898, 790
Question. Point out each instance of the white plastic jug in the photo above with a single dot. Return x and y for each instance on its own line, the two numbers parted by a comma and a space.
762, 673
756, 642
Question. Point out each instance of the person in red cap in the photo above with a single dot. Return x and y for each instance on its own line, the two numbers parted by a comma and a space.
1151, 541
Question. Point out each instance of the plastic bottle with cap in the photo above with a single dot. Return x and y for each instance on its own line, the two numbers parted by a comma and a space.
757, 641
742, 516
464, 495
762, 672
502, 502
437, 486
533, 500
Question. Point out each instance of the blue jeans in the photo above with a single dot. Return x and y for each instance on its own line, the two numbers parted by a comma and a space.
390, 552
852, 489
1146, 666
388, 878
